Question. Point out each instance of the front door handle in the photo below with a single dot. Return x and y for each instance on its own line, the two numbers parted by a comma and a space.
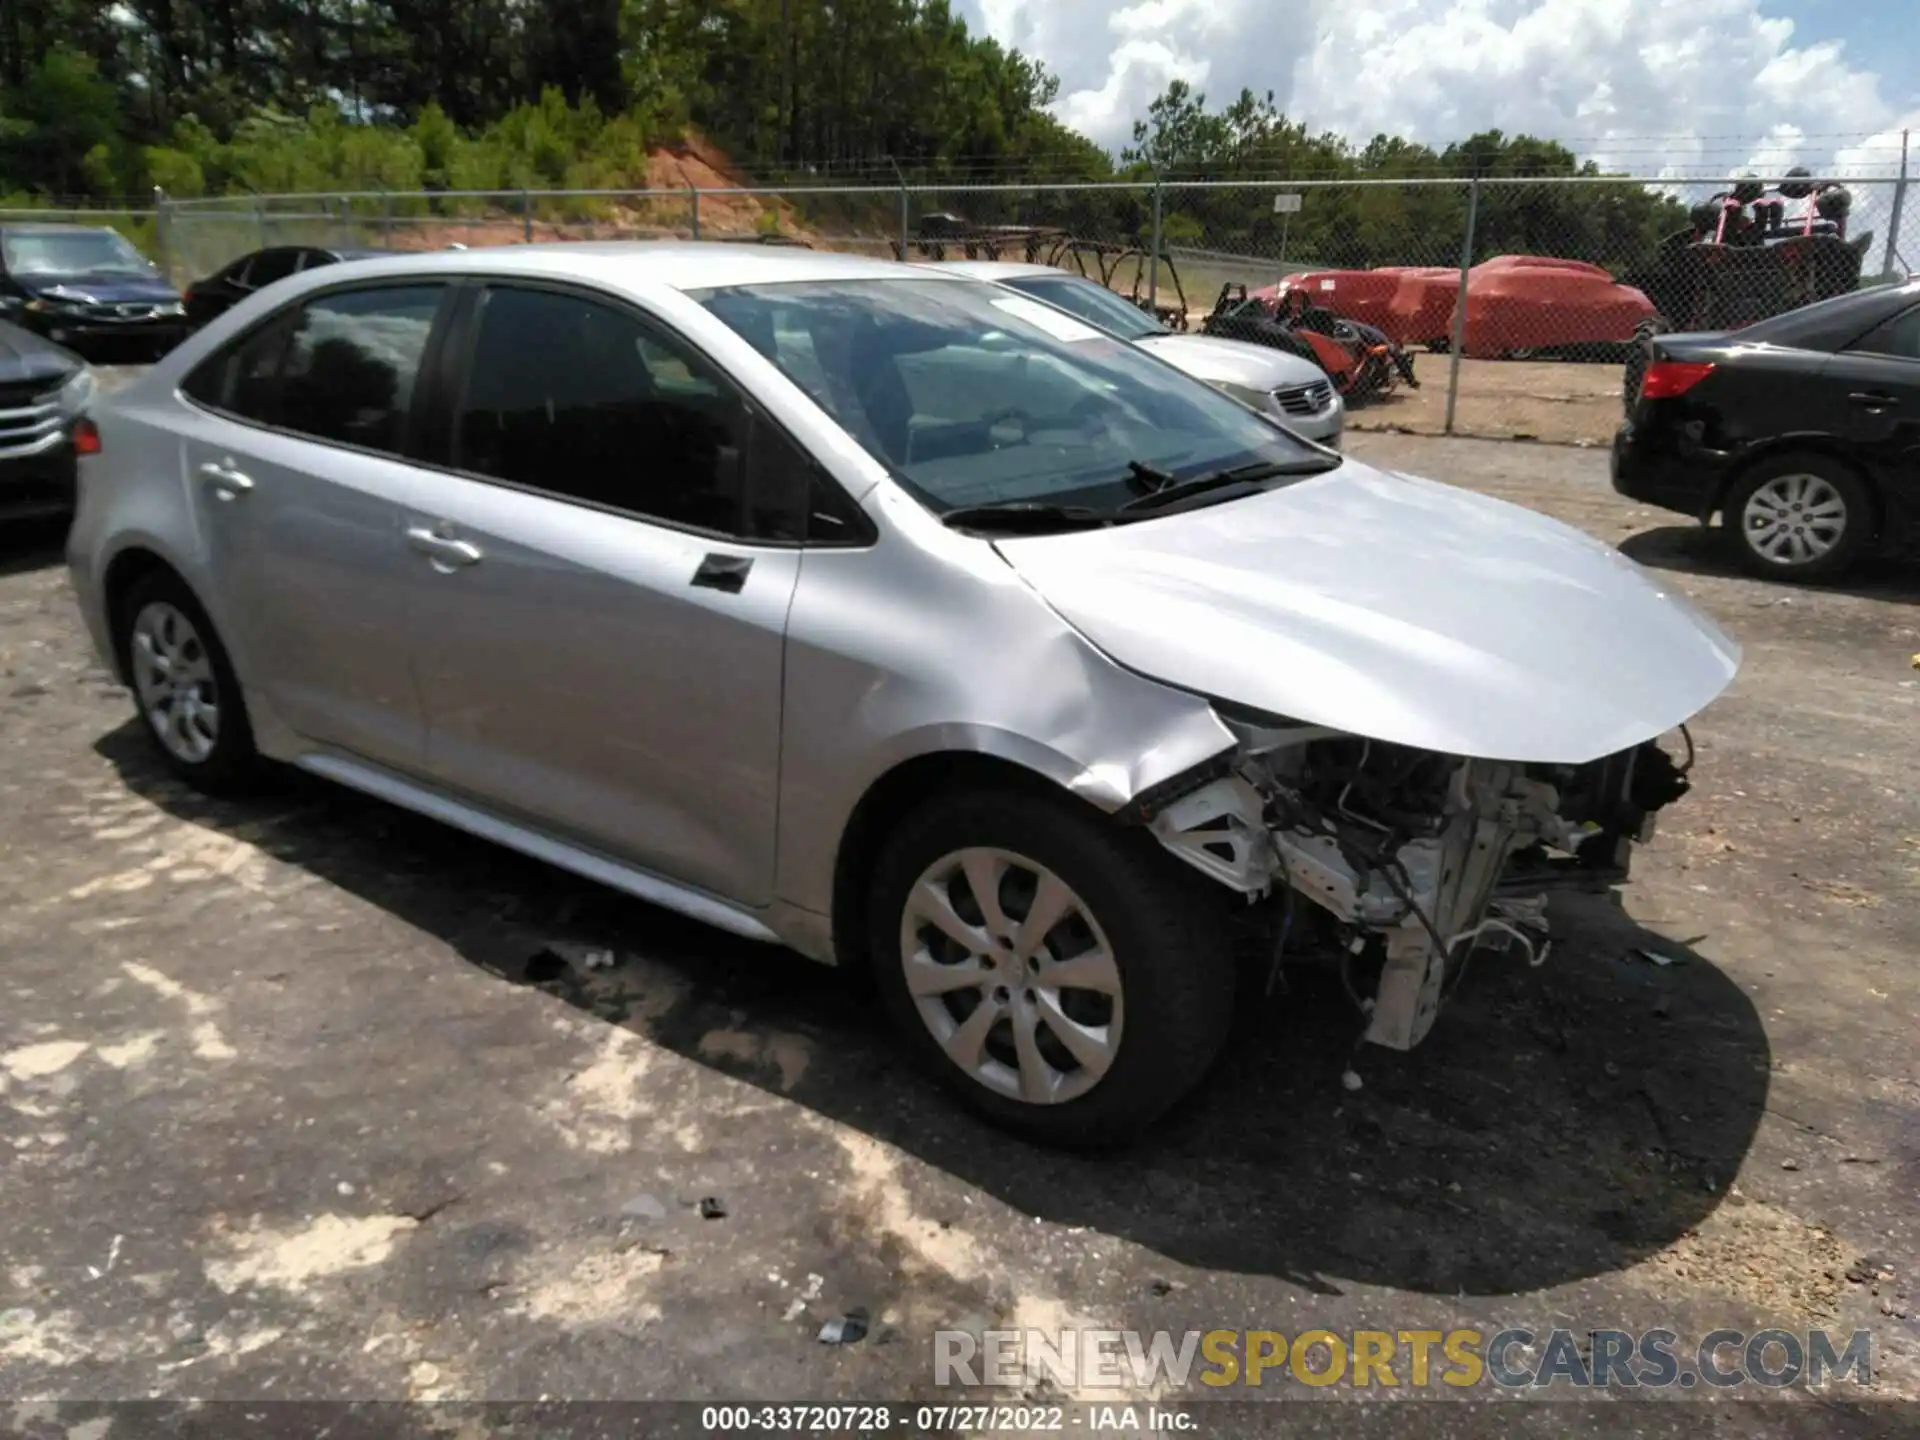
1872, 400
446, 553
225, 481
723, 572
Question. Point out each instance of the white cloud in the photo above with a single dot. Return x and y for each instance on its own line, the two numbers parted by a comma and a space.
1725, 77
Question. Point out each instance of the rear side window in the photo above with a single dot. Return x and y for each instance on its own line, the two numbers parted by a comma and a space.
272, 265
1899, 337
583, 400
242, 380
340, 368
351, 363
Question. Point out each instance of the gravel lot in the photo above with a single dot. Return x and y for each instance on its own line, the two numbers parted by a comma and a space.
286, 1116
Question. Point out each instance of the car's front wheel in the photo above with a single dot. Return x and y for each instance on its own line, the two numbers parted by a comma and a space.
1060, 973
1799, 517
185, 686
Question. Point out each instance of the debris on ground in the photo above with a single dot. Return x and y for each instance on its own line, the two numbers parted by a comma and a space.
1654, 957
1351, 1079
1869, 1270
581, 956
645, 1207
847, 1329
712, 1207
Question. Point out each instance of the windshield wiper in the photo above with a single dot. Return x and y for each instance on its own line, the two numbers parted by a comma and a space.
1030, 517
1177, 490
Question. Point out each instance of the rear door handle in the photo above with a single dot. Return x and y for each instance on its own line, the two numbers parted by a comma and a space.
446, 553
1872, 400
723, 572
225, 481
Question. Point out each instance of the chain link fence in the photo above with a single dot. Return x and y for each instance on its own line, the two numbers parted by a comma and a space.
1494, 307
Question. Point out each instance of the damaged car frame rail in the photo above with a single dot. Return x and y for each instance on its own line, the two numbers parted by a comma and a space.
1413, 859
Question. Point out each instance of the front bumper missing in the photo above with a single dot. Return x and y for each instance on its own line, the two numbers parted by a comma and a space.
1425, 903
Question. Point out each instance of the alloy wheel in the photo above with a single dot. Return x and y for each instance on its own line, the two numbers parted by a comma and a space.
174, 681
1794, 519
1012, 974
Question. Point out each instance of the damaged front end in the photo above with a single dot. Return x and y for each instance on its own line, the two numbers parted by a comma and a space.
1410, 859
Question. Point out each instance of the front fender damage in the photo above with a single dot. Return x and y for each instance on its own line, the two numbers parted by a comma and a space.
1408, 861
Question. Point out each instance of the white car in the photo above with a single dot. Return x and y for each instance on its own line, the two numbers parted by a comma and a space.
1294, 391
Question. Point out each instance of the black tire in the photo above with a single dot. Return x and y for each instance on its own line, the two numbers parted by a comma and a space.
1856, 526
231, 765
1164, 925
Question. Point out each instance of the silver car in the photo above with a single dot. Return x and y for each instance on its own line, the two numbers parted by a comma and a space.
1296, 392
893, 617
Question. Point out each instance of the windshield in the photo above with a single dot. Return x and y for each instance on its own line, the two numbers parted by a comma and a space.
975, 396
72, 252
1095, 304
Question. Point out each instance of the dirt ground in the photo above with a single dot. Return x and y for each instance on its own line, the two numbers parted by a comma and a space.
292, 1107
1561, 402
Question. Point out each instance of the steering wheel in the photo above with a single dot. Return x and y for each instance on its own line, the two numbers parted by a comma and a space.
999, 420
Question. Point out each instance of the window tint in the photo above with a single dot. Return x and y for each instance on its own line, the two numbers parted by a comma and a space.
1899, 337
241, 379
314, 259
578, 398
272, 265
351, 363
790, 498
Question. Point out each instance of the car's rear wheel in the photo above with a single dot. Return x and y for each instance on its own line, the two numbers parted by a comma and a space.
1062, 975
184, 686
1799, 517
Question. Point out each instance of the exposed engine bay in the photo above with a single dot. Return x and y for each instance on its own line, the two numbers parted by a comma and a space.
1408, 860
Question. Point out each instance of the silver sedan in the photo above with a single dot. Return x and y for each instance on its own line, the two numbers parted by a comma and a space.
1296, 392
896, 618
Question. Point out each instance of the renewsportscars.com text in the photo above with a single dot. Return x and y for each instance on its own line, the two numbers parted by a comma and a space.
1092, 1360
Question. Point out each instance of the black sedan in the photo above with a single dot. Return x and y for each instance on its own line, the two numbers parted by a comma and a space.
43, 389
220, 292
1801, 432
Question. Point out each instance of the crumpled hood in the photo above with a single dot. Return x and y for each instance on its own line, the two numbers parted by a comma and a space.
1207, 357
1396, 608
102, 289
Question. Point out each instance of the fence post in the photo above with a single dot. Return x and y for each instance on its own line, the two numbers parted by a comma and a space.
906, 219
1153, 254
1899, 204
1459, 339
526, 217
259, 226
693, 208
163, 231
386, 220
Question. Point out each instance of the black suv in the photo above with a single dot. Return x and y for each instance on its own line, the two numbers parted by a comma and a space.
43, 389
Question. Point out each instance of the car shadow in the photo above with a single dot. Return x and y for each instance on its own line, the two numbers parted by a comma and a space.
35, 543
1559, 1123
1693, 550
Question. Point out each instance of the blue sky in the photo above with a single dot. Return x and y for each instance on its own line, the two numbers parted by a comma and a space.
1885, 31
1674, 87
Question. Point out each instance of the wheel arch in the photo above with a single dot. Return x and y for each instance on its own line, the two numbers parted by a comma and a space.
130, 565
902, 788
